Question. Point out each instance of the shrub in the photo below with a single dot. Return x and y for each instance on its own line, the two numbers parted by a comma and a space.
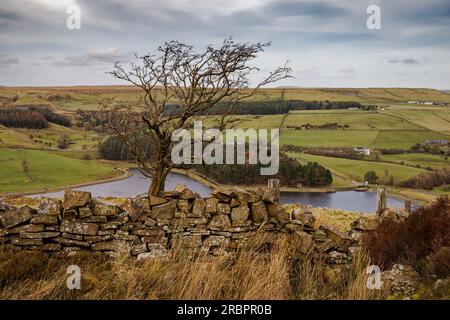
421, 241
428, 180
371, 177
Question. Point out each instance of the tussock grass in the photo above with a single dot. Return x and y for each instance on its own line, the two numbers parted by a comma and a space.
282, 271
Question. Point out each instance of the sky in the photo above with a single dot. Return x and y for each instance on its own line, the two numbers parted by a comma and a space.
326, 42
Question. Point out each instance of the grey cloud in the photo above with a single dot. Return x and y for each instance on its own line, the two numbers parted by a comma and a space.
405, 61
6, 60
305, 8
410, 61
93, 57
347, 70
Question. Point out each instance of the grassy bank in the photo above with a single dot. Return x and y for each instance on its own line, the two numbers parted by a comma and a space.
283, 273
33, 170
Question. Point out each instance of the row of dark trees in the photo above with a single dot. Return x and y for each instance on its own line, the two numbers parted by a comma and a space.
53, 117
272, 107
114, 148
23, 119
31, 118
291, 173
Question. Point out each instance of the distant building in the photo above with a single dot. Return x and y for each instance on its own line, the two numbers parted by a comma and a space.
362, 150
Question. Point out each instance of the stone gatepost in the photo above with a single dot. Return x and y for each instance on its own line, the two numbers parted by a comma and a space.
381, 200
408, 206
273, 185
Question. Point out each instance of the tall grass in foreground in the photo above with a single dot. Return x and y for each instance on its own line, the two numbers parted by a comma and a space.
282, 271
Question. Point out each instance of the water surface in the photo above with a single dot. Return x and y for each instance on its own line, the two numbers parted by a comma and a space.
138, 184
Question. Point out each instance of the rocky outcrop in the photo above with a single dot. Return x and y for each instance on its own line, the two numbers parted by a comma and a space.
152, 227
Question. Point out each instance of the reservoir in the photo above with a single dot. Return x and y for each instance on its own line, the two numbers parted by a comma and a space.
138, 184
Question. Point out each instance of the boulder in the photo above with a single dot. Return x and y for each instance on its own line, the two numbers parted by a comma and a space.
364, 224
276, 211
72, 236
27, 228
12, 218
69, 214
26, 242
186, 193
211, 205
186, 242
71, 242
132, 208
156, 201
45, 219
94, 239
401, 279
88, 229
95, 219
239, 216
259, 212
39, 235
220, 222
104, 208
334, 234
215, 241
84, 212
223, 194
74, 199
164, 211
50, 206
305, 216
184, 206
223, 208
114, 245
198, 208
335, 257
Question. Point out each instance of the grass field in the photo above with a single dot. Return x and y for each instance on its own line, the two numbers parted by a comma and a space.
430, 119
413, 159
91, 98
356, 169
32, 170
356, 120
48, 138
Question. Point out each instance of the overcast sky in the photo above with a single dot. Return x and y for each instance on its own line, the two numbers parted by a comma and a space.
327, 42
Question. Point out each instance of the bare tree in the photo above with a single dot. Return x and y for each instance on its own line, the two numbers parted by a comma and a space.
195, 82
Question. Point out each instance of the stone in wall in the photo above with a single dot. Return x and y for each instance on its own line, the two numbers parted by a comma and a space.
75, 199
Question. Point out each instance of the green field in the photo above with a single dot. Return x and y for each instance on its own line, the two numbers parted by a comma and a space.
433, 119
46, 170
48, 138
327, 138
414, 159
91, 98
356, 169
356, 120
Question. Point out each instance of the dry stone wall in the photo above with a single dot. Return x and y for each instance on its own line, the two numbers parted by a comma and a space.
150, 227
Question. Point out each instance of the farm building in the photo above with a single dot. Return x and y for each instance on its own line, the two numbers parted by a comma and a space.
362, 150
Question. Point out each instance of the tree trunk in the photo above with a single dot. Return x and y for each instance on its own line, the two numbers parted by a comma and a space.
159, 176
158, 181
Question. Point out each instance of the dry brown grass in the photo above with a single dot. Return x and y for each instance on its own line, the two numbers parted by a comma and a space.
256, 273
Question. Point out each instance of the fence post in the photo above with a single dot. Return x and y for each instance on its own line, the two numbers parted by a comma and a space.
273, 185
381, 199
